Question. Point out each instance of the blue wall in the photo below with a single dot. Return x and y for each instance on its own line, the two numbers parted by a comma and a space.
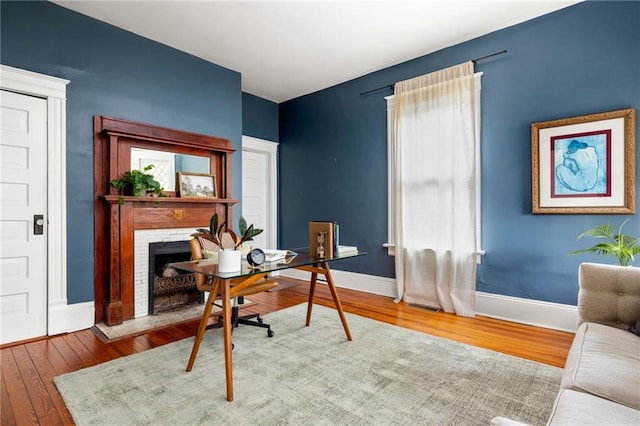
118, 74
333, 160
259, 117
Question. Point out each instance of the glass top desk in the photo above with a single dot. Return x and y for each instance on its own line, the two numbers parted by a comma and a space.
209, 268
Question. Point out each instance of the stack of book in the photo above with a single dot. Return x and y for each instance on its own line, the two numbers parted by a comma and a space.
347, 250
331, 244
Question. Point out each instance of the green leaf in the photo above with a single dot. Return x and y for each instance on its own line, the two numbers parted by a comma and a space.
213, 224
242, 225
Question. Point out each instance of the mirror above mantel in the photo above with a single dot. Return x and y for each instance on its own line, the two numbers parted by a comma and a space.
166, 164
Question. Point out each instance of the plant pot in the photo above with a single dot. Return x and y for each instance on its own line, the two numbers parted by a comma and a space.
229, 260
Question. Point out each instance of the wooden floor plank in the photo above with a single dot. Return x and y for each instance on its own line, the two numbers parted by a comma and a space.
47, 372
61, 354
21, 406
6, 411
36, 389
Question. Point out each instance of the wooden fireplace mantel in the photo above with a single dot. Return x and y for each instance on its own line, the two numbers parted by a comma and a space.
116, 222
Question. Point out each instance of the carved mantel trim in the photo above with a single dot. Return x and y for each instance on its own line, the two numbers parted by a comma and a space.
115, 222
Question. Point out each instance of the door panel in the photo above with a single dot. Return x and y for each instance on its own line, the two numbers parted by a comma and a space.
23, 194
254, 194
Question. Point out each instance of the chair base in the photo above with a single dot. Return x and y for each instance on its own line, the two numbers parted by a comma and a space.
244, 320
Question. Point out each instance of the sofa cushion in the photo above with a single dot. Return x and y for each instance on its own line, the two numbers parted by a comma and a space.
604, 361
578, 408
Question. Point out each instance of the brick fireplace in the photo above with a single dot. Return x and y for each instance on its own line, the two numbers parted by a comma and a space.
145, 240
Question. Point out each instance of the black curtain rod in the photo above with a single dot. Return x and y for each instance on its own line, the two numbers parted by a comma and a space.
390, 86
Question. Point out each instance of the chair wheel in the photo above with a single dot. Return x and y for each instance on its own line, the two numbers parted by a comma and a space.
270, 333
259, 319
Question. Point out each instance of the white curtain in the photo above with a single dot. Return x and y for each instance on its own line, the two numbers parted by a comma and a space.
435, 189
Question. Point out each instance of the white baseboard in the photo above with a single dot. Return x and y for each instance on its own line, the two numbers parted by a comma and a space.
526, 311
78, 316
555, 316
57, 318
351, 280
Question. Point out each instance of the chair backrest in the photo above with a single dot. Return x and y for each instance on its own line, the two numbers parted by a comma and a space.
244, 289
609, 294
196, 254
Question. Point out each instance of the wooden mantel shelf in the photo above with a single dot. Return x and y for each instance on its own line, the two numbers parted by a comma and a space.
111, 199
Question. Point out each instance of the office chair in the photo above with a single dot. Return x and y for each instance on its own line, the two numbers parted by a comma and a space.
204, 284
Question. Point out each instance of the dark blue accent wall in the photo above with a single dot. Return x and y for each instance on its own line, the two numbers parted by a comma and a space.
333, 154
119, 74
259, 117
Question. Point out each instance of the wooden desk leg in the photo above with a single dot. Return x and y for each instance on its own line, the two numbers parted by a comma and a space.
203, 325
336, 299
226, 321
312, 291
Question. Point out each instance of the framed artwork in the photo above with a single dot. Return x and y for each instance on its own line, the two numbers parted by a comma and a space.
584, 165
196, 185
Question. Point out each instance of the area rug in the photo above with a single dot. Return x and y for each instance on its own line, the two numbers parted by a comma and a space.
387, 375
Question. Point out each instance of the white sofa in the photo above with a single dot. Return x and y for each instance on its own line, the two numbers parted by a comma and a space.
601, 379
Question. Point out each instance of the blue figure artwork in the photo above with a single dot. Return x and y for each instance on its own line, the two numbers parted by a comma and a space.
581, 165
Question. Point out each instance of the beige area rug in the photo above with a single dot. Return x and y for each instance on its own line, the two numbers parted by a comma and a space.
313, 376
141, 325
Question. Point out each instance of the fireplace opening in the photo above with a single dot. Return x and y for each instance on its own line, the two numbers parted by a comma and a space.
170, 288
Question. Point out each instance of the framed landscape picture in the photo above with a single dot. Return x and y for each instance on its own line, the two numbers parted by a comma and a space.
196, 185
584, 164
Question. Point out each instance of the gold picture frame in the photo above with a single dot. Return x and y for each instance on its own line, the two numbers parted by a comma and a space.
196, 185
584, 164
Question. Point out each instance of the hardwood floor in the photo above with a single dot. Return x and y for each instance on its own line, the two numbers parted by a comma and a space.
30, 397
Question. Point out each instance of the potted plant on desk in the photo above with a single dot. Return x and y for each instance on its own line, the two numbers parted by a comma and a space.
227, 241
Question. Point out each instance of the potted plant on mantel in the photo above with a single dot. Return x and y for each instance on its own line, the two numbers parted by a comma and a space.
623, 247
229, 258
137, 183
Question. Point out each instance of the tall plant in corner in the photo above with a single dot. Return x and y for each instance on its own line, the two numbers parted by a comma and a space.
623, 247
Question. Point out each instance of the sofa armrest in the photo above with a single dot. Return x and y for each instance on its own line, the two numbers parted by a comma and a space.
608, 294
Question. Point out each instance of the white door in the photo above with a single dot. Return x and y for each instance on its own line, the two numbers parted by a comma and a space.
23, 196
259, 189
254, 195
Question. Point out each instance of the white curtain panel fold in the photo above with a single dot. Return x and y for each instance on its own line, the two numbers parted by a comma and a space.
436, 190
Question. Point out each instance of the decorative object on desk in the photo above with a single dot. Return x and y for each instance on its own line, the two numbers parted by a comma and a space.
196, 185
279, 256
229, 255
404, 383
584, 164
216, 232
229, 260
255, 257
328, 230
137, 183
623, 247
321, 237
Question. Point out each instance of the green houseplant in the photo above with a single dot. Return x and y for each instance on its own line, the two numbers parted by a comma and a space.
216, 231
137, 183
623, 247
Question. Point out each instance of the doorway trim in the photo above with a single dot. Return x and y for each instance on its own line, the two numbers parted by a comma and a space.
270, 148
54, 91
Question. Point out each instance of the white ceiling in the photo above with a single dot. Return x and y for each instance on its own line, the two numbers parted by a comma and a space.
286, 49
